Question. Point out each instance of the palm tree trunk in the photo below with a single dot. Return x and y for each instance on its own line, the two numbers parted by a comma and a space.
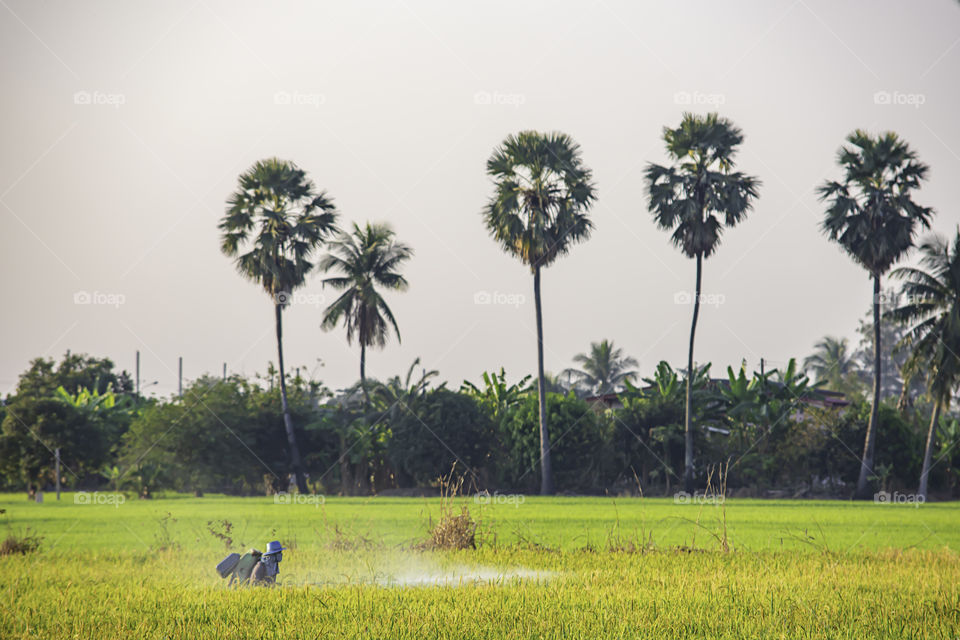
287, 420
928, 451
688, 409
546, 474
363, 373
346, 478
869, 445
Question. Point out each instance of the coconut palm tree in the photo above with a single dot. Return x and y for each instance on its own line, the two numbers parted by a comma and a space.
872, 216
368, 258
542, 195
931, 308
275, 221
697, 197
831, 362
604, 370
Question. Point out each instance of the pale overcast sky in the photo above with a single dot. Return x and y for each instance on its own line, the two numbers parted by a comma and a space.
126, 124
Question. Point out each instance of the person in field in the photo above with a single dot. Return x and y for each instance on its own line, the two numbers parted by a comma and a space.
265, 572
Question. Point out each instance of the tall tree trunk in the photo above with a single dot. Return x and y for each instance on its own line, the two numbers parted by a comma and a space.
346, 478
287, 420
869, 445
688, 485
363, 373
361, 475
546, 472
928, 451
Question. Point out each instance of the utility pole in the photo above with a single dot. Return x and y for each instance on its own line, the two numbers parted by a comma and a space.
138, 373
224, 371
761, 366
57, 456
180, 377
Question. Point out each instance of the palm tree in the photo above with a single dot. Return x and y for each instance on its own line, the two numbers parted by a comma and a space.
275, 221
872, 215
932, 310
368, 258
831, 362
696, 198
604, 370
538, 212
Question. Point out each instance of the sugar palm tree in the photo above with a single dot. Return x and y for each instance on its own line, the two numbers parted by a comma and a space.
831, 361
368, 259
604, 370
542, 195
275, 221
697, 197
931, 309
872, 215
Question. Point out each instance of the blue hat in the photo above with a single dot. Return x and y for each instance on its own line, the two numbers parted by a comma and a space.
273, 547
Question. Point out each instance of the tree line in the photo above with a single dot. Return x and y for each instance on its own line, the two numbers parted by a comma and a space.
277, 223
614, 431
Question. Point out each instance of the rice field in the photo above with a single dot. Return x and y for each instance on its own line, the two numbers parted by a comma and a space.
544, 568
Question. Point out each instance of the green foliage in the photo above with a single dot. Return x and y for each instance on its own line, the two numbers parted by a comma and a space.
543, 192
43, 414
700, 194
223, 436
931, 313
871, 212
275, 221
833, 364
366, 258
441, 428
578, 443
497, 398
34, 427
75, 371
605, 369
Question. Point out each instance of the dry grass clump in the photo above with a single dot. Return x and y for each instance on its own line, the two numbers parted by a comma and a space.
455, 530
27, 543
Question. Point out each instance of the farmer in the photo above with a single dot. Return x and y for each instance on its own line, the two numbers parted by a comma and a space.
265, 573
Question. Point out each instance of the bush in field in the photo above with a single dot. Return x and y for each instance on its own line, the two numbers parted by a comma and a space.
20, 544
647, 437
824, 443
578, 441
442, 428
34, 427
79, 405
220, 437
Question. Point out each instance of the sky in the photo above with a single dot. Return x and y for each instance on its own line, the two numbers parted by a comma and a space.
125, 125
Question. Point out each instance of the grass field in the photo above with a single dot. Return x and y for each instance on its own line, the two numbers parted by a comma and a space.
548, 567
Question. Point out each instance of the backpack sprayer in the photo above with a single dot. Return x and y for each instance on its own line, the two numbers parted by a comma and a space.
240, 569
